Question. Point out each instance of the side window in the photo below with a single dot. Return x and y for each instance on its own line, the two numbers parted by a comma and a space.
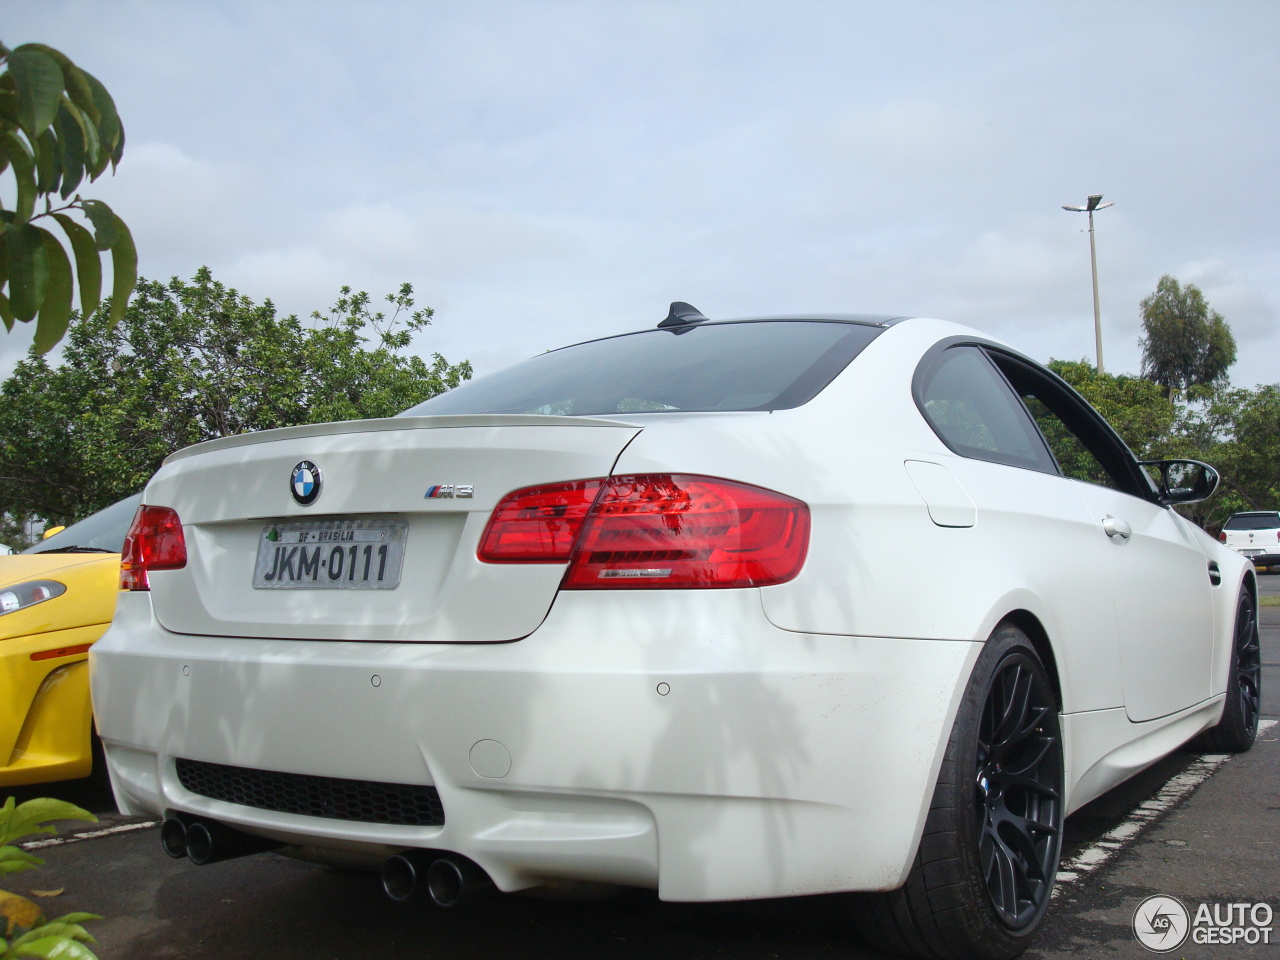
970, 406
1076, 460
1084, 448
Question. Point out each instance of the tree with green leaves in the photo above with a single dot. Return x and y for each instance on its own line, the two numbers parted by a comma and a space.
1235, 430
1184, 342
58, 125
1254, 462
192, 362
1238, 431
1138, 409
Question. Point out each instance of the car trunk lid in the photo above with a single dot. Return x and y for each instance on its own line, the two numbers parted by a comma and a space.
407, 474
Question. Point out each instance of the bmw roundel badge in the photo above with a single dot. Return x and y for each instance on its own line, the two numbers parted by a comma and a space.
304, 484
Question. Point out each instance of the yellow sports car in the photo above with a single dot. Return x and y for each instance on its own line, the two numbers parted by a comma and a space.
56, 599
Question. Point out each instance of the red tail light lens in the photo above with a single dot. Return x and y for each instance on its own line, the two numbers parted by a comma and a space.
538, 524
154, 542
661, 532
1223, 536
655, 531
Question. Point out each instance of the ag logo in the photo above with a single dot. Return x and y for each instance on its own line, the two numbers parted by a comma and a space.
304, 483
1161, 923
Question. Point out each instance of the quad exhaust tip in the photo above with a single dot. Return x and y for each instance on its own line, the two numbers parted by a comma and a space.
205, 841
448, 878
173, 837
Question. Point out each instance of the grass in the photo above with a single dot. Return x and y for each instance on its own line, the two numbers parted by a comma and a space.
1269, 601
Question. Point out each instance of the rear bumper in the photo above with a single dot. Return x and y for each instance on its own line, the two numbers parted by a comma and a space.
1265, 559
677, 741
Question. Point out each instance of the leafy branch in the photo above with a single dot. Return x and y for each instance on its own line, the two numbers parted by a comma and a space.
58, 126
190, 361
351, 312
63, 938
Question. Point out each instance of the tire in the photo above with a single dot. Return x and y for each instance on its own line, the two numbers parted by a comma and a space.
983, 875
98, 772
1235, 732
99, 795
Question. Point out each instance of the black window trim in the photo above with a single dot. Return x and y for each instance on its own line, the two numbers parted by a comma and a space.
1118, 454
1115, 456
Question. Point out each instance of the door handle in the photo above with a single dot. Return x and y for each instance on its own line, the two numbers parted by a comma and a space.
1115, 528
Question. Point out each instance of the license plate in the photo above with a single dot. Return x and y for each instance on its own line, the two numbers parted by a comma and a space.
1252, 553
330, 555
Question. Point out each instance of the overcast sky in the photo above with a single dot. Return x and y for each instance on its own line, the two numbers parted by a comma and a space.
548, 172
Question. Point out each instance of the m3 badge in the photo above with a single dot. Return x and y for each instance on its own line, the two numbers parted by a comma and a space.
441, 491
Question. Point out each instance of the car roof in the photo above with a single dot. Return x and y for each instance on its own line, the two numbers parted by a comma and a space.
866, 319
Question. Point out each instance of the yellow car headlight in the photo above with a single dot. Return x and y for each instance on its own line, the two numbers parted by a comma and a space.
23, 595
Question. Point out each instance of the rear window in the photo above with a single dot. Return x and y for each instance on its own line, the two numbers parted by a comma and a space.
1253, 521
101, 532
743, 365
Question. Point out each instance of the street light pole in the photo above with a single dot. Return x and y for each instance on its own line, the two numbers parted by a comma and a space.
1094, 204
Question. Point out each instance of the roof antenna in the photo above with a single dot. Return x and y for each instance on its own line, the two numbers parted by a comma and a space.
682, 315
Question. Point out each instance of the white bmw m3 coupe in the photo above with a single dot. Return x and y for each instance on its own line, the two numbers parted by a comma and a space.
727, 609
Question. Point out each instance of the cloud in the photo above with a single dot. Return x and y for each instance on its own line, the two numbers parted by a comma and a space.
1249, 310
435, 243
14, 346
550, 172
917, 137
1007, 275
183, 210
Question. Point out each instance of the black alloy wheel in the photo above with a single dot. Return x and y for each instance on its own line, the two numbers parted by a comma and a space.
1019, 790
1248, 666
1236, 731
983, 875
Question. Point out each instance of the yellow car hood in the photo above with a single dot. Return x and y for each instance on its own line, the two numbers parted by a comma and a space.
91, 579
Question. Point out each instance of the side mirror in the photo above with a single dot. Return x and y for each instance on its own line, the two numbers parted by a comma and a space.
51, 531
1184, 481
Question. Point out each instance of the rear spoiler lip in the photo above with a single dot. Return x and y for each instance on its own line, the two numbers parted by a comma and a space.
392, 423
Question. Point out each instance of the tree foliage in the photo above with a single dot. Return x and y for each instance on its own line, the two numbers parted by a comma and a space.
1138, 409
1235, 430
1238, 431
191, 362
58, 125
1184, 342
1254, 457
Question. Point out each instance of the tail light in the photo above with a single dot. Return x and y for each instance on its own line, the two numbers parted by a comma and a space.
538, 524
154, 542
1223, 536
653, 531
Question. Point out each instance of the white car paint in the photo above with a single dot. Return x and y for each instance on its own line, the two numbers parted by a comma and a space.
236, 486
799, 736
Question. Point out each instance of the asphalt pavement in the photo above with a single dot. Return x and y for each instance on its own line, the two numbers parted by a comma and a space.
1219, 844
